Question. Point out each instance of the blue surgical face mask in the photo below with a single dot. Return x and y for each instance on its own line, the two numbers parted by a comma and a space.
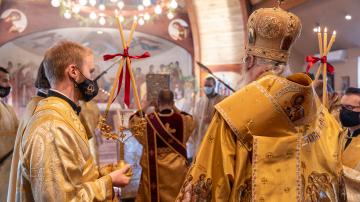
209, 90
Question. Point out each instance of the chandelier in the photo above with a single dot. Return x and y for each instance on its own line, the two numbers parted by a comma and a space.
103, 12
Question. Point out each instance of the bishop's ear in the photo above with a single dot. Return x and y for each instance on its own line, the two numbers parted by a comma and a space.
249, 62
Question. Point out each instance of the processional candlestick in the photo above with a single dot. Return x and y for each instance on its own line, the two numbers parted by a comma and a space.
137, 129
324, 67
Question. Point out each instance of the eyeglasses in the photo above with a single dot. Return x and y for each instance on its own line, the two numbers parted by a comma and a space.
350, 107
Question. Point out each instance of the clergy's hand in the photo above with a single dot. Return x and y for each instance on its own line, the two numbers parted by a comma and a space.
119, 177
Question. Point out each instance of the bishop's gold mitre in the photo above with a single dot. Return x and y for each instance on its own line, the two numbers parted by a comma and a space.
271, 32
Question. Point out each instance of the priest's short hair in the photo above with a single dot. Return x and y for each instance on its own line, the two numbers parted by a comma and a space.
166, 96
60, 56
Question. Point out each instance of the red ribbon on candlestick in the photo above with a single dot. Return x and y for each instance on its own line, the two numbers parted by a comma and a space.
127, 73
311, 60
126, 54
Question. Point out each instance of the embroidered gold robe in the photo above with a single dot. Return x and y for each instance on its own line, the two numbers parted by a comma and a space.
25, 118
171, 167
55, 161
270, 141
89, 117
351, 161
8, 127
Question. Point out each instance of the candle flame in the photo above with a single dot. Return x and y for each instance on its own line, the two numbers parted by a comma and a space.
325, 30
319, 29
334, 32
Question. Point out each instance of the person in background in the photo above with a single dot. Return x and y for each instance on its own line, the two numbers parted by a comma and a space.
42, 85
350, 119
8, 126
203, 113
163, 160
151, 69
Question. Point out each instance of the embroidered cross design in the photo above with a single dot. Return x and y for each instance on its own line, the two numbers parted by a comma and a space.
169, 129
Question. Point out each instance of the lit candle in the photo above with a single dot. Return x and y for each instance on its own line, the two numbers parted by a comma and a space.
324, 98
332, 40
325, 40
320, 52
320, 40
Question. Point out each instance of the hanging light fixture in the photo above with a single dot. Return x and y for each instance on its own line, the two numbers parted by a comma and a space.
120, 4
173, 4
102, 12
158, 9
67, 14
55, 3
102, 20
170, 15
83, 2
92, 2
146, 3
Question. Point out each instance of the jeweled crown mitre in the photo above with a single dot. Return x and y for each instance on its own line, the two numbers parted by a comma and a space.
271, 33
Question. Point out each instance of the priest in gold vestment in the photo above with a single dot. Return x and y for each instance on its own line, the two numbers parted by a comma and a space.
55, 161
42, 85
164, 164
272, 140
8, 127
350, 118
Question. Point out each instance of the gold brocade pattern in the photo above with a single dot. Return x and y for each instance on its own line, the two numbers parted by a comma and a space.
171, 167
245, 191
271, 33
30, 108
199, 191
55, 161
266, 153
319, 188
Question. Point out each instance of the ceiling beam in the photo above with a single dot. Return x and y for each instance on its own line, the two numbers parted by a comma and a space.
287, 5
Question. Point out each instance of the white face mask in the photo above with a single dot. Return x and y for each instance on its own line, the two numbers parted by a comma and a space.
209, 90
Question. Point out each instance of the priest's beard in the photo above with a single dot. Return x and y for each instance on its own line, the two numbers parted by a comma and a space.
244, 80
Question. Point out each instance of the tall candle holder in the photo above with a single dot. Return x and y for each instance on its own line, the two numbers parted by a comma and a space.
137, 129
324, 49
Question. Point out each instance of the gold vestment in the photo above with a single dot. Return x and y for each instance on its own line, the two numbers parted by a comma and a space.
270, 141
8, 127
351, 161
25, 118
171, 166
89, 117
55, 161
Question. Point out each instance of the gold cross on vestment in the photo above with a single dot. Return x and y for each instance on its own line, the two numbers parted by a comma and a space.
168, 129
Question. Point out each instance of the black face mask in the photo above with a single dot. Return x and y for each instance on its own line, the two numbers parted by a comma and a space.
88, 88
349, 118
4, 91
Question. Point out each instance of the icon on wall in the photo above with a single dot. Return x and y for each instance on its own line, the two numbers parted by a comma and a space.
13, 20
345, 83
178, 29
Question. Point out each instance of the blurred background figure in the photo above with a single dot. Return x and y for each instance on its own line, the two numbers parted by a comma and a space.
350, 119
8, 126
203, 113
